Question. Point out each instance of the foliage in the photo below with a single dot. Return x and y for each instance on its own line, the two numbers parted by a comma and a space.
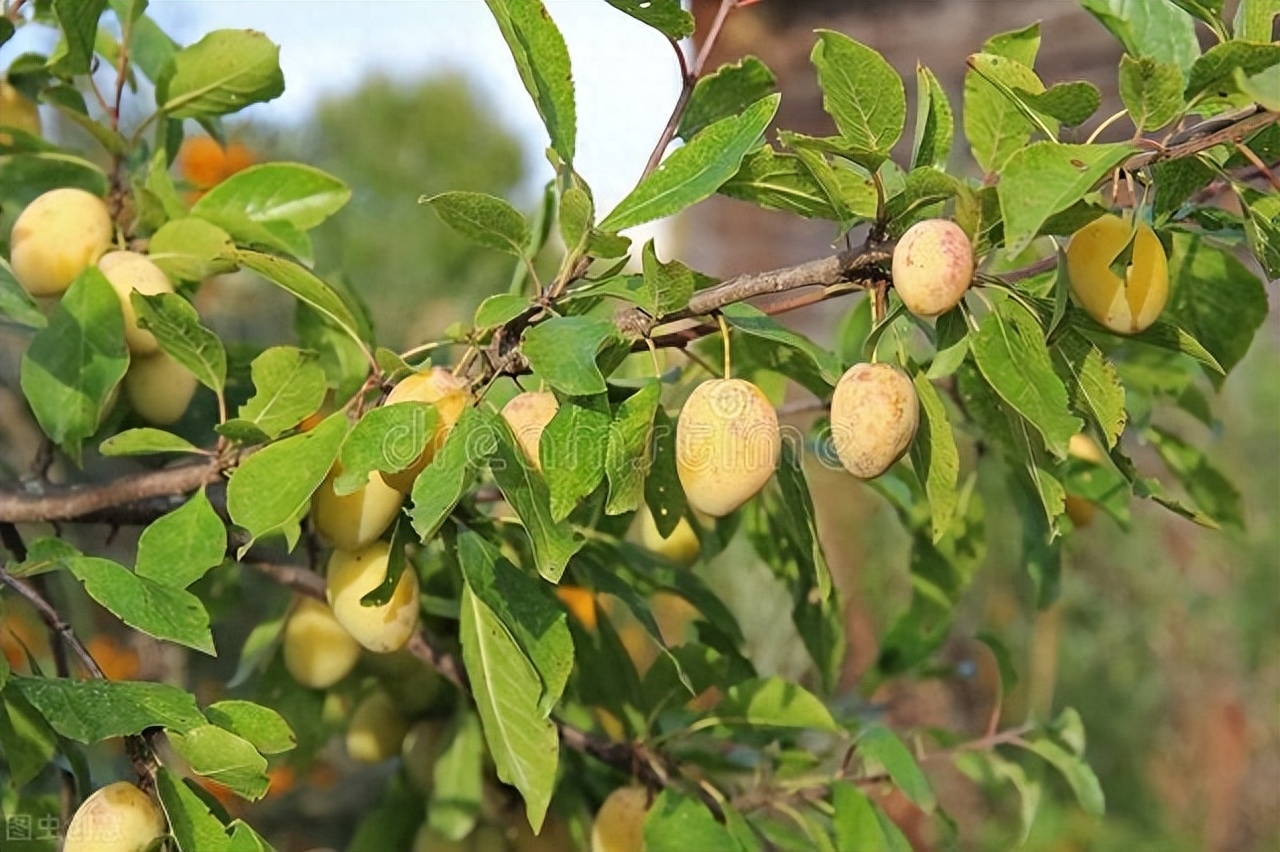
543, 618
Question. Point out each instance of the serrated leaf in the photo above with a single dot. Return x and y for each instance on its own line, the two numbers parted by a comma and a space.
263, 727
1217, 67
301, 195
1262, 227
177, 328
935, 123
442, 483
221, 756
543, 63
778, 182
181, 547
862, 94
192, 824
1151, 91
666, 16
91, 710
222, 73
880, 745
1044, 178
523, 742
627, 457
752, 321
727, 91
157, 609
289, 385
694, 172
1092, 383
675, 823
270, 490
483, 219
72, 366
572, 451
671, 284
562, 350
389, 438
499, 309
1070, 103
78, 20
137, 442
1154, 28
993, 123
935, 457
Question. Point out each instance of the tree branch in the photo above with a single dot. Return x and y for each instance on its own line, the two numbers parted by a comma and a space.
39, 502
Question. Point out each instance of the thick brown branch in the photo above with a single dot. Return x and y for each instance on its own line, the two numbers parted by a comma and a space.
41, 502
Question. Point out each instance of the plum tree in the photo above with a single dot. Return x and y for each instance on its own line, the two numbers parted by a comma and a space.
1125, 305
932, 267
528, 414
727, 445
16, 110
159, 388
450, 394
874, 416
56, 237
619, 824
377, 729
353, 521
318, 651
116, 818
128, 271
352, 575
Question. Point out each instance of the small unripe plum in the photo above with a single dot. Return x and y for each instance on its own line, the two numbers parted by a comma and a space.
56, 237
450, 395
355, 520
420, 750
619, 824
727, 445
1128, 305
128, 271
874, 416
318, 651
932, 267
159, 388
377, 729
382, 628
117, 818
17, 111
528, 415
681, 547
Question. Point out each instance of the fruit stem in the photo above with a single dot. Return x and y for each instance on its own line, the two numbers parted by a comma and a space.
724, 333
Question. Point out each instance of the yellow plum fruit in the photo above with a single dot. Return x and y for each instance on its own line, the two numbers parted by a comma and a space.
528, 414
159, 388
674, 615
619, 824
580, 602
681, 547
1128, 305
56, 237
116, 818
874, 416
450, 395
128, 271
382, 628
355, 520
16, 110
932, 267
376, 730
420, 750
318, 651
1082, 447
727, 445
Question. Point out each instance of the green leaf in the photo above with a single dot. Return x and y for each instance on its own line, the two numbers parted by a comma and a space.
798, 507
157, 609
483, 219
245, 839
263, 727
935, 123
27, 741
1151, 91
78, 20
695, 171
1154, 28
289, 385
775, 702
176, 325
507, 689
627, 457
562, 350
278, 236
1216, 298
754, 322
1044, 178
665, 16
1262, 227
1020, 45
1092, 383
91, 710
543, 63
181, 547
1263, 87
191, 249
1010, 351
1216, 68
935, 457
527, 608
271, 490
222, 73
675, 823
15, 303
880, 745
862, 94
993, 123
31, 174
1255, 19
71, 367
458, 776
1078, 774
1070, 103
1212, 492
778, 182
192, 824
554, 542
442, 483
670, 283
219, 755
576, 218
727, 92
573, 451
663, 493
301, 195
137, 442
861, 825
500, 309
305, 285
389, 438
